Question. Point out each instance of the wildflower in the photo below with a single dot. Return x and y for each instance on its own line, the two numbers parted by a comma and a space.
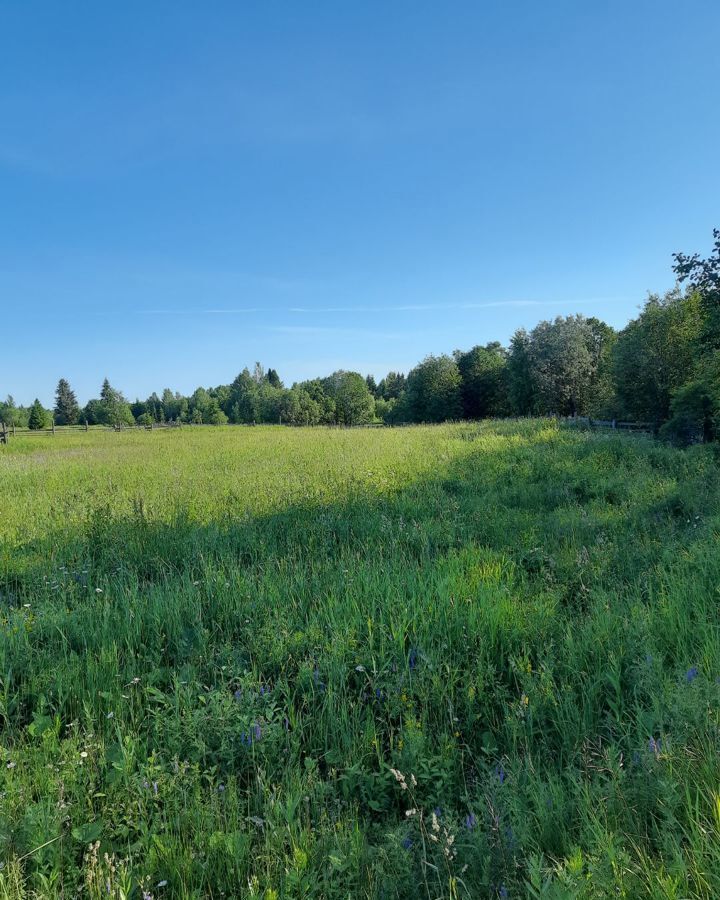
691, 674
221, 788
437, 812
10, 765
98, 590
359, 668
162, 883
83, 754
412, 659
155, 788
470, 821
500, 773
258, 732
286, 723
407, 843
238, 694
264, 690
654, 745
110, 715
648, 659
503, 892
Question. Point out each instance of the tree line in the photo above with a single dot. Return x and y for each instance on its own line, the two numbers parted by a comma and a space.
663, 368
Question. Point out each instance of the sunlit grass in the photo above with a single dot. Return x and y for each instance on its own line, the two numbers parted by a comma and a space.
217, 643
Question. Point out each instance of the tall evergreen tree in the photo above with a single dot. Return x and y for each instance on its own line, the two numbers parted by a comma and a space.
67, 411
38, 416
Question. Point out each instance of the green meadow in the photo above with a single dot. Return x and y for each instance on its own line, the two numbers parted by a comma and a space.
457, 661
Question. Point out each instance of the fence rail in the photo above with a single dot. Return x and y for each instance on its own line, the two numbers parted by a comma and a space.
8, 431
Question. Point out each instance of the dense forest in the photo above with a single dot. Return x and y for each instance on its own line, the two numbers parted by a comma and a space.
662, 369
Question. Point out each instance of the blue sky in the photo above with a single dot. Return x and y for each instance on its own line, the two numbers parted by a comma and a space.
188, 187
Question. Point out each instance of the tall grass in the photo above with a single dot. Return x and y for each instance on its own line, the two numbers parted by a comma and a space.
458, 661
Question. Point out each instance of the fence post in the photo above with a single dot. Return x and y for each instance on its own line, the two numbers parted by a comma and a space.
53, 425
86, 424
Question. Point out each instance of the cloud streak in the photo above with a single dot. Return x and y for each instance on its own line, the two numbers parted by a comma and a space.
364, 308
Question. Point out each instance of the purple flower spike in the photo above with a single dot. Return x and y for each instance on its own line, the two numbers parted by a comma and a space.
691, 674
470, 821
258, 732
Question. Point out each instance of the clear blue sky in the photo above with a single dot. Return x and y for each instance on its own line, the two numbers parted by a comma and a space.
188, 187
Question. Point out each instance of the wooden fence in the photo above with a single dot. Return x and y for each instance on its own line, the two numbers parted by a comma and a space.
587, 422
8, 431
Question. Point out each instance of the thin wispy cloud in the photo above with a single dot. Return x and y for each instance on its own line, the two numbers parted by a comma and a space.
208, 312
384, 308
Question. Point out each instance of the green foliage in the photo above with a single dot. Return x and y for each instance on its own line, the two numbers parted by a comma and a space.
695, 408
283, 663
433, 390
482, 378
39, 417
556, 368
703, 277
11, 414
655, 354
67, 411
354, 404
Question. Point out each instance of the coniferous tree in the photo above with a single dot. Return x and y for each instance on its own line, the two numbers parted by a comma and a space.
38, 416
67, 411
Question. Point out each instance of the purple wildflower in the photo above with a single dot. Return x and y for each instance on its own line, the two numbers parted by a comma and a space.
470, 821
654, 745
407, 843
503, 892
438, 811
286, 723
500, 773
264, 690
258, 732
412, 659
691, 674
238, 694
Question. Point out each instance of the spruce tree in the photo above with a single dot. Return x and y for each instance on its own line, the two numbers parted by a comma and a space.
38, 416
67, 411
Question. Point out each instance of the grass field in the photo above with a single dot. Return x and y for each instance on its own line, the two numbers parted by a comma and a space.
453, 661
